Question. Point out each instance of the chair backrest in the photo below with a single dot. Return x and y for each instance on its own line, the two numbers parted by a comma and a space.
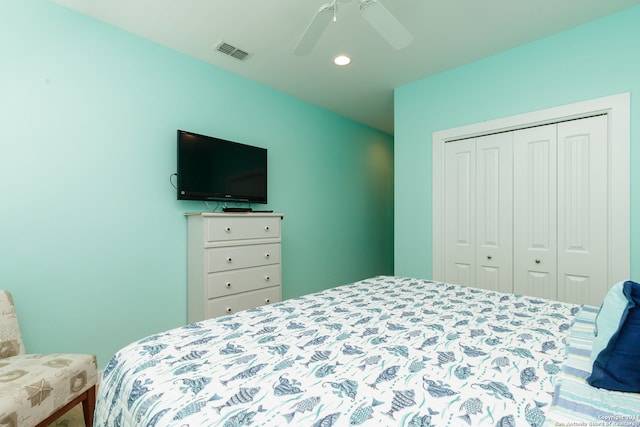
10, 337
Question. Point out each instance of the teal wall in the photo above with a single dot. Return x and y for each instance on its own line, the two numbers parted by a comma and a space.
593, 60
92, 238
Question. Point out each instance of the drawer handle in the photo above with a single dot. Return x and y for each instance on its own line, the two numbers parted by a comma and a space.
228, 229
228, 309
537, 261
228, 285
267, 300
266, 228
229, 259
488, 256
267, 278
267, 256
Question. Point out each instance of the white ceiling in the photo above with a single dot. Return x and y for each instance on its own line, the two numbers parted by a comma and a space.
447, 34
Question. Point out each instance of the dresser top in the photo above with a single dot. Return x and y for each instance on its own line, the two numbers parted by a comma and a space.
236, 214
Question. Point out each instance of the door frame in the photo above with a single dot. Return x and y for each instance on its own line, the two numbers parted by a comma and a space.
617, 109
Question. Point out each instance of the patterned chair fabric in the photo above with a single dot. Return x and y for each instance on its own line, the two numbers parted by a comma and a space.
10, 337
36, 389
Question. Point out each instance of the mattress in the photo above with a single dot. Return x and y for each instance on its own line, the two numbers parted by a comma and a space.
382, 351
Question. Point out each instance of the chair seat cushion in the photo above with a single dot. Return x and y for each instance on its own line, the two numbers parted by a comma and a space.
34, 386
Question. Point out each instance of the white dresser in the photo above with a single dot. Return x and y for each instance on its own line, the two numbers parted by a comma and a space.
233, 262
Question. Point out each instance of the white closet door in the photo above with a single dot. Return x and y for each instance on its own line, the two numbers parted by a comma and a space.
534, 208
459, 211
582, 210
494, 212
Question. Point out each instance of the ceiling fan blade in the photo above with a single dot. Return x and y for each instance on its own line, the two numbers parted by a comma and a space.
385, 23
314, 30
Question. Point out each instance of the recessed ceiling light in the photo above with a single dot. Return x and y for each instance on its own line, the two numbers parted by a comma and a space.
341, 60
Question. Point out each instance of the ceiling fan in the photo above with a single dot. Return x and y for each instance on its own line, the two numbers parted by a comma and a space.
371, 10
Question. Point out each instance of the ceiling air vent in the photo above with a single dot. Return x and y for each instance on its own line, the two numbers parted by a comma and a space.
232, 51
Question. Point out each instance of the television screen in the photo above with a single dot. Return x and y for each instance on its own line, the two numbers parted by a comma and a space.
217, 169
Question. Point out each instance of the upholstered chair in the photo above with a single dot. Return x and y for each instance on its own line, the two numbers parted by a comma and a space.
36, 389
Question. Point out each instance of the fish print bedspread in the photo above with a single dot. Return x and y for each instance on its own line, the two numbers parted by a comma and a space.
387, 351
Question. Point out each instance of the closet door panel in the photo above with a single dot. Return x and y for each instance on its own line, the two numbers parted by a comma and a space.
537, 283
534, 223
582, 210
459, 212
575, 289
494, 212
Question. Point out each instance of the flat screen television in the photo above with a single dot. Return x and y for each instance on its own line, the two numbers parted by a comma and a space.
217, 169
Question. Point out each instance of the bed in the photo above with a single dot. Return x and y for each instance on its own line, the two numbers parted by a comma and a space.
382, 351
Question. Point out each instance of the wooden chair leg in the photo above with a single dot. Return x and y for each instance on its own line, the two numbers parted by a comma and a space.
88, 400
89, 406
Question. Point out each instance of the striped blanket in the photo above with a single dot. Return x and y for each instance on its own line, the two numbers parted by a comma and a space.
575, 402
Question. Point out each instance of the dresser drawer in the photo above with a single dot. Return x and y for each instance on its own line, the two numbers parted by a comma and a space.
239, 228
235, 257
238, 302
249, 279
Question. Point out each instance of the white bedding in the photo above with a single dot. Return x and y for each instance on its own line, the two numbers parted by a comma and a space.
383, 351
